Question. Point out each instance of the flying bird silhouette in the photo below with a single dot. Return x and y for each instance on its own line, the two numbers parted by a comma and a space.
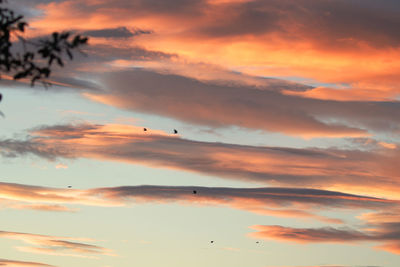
212, 241
175, 131
194, 192
1, 113
145, 129
69, 186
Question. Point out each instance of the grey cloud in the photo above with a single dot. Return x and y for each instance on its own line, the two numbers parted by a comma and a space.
242, 19
119, 32
108, 52
273, 201
269, 196
340, 23
216, 105
140, 8
11, 149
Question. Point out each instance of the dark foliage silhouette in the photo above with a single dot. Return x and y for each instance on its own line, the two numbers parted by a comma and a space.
34, 59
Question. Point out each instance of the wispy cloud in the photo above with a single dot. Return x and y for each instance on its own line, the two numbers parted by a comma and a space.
54, 245
15, 263
41, 207
118, 32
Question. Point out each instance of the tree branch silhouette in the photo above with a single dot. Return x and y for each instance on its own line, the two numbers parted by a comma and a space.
38, 57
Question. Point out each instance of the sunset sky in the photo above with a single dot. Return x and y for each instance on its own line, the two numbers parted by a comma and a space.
288, 145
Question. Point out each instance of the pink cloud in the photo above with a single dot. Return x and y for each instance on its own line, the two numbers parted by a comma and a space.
385, 234
354, 171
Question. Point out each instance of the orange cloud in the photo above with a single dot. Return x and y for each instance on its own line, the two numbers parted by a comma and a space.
347, 94
61, 166
320, 41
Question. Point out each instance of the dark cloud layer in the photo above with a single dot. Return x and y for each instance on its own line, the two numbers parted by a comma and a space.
337, 23
281, 202
271, 196
119, 32
217, 105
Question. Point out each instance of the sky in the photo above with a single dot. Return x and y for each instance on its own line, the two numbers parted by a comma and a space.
286, 152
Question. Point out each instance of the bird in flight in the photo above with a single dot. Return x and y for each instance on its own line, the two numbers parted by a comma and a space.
212, 241
175, 131
69, 186
145, 129
1, 113
194, 192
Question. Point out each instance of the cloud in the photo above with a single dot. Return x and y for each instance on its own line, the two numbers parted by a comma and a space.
221, 98
387, 235
118, 32
345, 94
354, 171
380, 227
61, 166
334, 20
279, 202
263, 196
330, 41
20, 196
42, 207
14, 263
306, 41
53, 245
219, 105
234, 100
